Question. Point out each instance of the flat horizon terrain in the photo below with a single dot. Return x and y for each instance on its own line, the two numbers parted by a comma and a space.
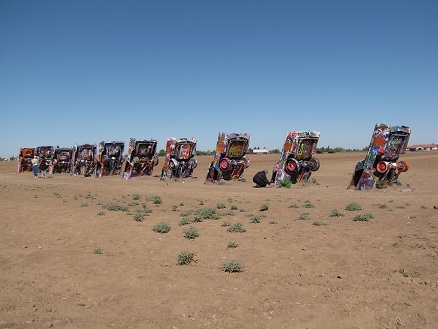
73, 255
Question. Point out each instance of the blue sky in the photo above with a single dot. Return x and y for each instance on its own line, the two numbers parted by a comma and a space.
86, 71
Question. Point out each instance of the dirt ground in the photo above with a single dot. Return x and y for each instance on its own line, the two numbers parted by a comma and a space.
68, 261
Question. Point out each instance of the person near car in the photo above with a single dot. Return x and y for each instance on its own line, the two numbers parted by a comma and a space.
43, 167
261, 180
35, 167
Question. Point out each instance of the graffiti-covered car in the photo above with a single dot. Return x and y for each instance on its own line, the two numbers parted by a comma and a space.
83, 160
109, 158
180, 158
25, 159
62, 159
141, 159
229, 160
45, 153
381, 166
296, 160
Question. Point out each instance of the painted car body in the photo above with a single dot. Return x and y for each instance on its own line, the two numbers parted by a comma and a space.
109, 158
25, 159
381, 166
85, 155
296, 160
230, 159
180, 158
62, 159
141, 159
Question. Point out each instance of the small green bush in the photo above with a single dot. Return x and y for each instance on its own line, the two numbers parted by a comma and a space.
304, 216
184, 221
155, 199
186, 213
226, 223
255, 219
294, 205
115, 207
272, 222
234, 207
264, 207
336, 213
161, 227
308, 204
138, 216
232, 244
232, 266
185, 257
136, 197
363, 218
285, 183
353, 207
236, 228
220, 205
191, 233
207, 213
319, 223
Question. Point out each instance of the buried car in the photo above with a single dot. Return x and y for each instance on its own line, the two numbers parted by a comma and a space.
229, 159
296, 160
25, 159
381, 166
83, 160
62, 159
109, 158
180, 158
142, 158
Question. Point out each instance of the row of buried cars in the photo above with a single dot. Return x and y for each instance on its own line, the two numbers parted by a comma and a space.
297, 161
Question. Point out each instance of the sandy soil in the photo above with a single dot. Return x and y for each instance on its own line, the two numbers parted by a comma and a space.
68, 262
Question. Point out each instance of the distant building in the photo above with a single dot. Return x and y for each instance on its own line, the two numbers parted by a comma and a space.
423, 147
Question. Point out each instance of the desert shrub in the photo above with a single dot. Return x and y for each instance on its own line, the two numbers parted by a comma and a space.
185, 257
272, 222
308, 204
319, 223
98, 251
363, 217
285, 183
186, 213
174, 207
161, 227
207, 213
115, 207
100, 213
184, 221
230, 200
136, 197
294, 205
227, 213
264, 207
336, 213
234, 207
197, 219
138, 216
226, 223
236, 228
353, 207
232, 266
155, 199
84, 204
382, 206
220, 205
304, 216
232, 244
191, 233
255, 219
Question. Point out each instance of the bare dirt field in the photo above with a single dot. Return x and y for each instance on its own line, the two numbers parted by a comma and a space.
73, 254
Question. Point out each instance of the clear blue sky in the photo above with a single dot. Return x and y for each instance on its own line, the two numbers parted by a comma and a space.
86, 71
